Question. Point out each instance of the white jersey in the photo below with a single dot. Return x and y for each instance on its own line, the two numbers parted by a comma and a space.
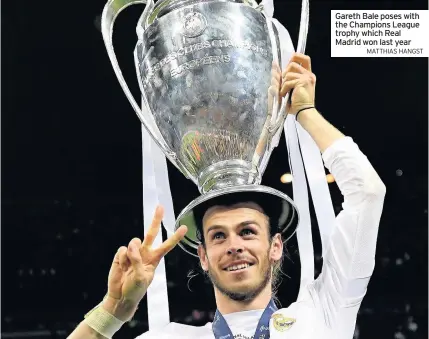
329, 305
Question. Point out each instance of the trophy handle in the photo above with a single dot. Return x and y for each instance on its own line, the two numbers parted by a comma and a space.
303, 26
302, 41
110, 12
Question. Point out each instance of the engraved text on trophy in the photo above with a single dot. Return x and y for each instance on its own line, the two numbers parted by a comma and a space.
208, 59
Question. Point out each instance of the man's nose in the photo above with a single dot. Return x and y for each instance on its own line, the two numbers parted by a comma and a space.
234, 250
235, 246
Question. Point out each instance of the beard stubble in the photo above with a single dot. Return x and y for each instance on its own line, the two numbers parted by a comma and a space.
245, 295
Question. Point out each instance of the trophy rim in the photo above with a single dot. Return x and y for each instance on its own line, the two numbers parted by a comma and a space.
164, 7
190, 243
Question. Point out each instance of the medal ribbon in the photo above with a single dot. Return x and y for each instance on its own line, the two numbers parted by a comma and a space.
221, 329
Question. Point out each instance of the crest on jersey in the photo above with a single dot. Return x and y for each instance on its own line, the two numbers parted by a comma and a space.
282, 323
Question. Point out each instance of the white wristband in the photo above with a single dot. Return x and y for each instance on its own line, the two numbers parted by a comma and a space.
103, 322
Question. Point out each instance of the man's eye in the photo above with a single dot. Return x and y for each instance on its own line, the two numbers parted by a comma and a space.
218, 235
247, 231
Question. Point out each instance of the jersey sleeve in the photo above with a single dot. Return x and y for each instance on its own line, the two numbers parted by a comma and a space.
350, 259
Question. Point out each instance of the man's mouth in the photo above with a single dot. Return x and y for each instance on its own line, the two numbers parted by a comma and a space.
239, 267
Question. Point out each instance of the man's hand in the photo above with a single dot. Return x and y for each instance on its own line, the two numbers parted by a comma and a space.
133, 269
298, 77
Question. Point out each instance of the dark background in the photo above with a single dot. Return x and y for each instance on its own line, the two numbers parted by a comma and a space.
71, 169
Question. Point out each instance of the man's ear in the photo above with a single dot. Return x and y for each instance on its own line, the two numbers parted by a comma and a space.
276, 250
203, 257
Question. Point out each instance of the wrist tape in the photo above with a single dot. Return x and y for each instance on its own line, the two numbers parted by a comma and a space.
103, 322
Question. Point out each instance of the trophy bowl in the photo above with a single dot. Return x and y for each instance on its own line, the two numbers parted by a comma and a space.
209, 77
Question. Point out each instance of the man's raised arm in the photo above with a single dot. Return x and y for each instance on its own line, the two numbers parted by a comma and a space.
130, 275
350, 259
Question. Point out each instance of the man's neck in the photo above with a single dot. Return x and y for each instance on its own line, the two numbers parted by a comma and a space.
226, 305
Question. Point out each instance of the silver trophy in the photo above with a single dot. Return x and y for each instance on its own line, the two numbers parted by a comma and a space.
209, 77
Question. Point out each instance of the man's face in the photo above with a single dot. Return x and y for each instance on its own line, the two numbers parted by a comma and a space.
238, 253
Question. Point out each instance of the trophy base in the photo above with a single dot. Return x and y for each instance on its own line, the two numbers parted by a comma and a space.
227, 173
281, 210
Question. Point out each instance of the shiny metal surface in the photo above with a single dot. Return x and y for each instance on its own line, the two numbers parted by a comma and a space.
208, 76
164, 6
205, 71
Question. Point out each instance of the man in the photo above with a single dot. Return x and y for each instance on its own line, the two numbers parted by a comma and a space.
241, 254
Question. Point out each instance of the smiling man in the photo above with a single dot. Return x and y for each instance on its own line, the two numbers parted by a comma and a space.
241, 250
237, 253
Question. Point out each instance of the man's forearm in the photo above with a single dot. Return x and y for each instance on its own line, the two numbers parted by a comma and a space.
322, 132
83, 331
118, 312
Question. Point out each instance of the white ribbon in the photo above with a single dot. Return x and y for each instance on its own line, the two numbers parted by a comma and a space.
299, 183
300, 197
318, 186
268, 7
156, 189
